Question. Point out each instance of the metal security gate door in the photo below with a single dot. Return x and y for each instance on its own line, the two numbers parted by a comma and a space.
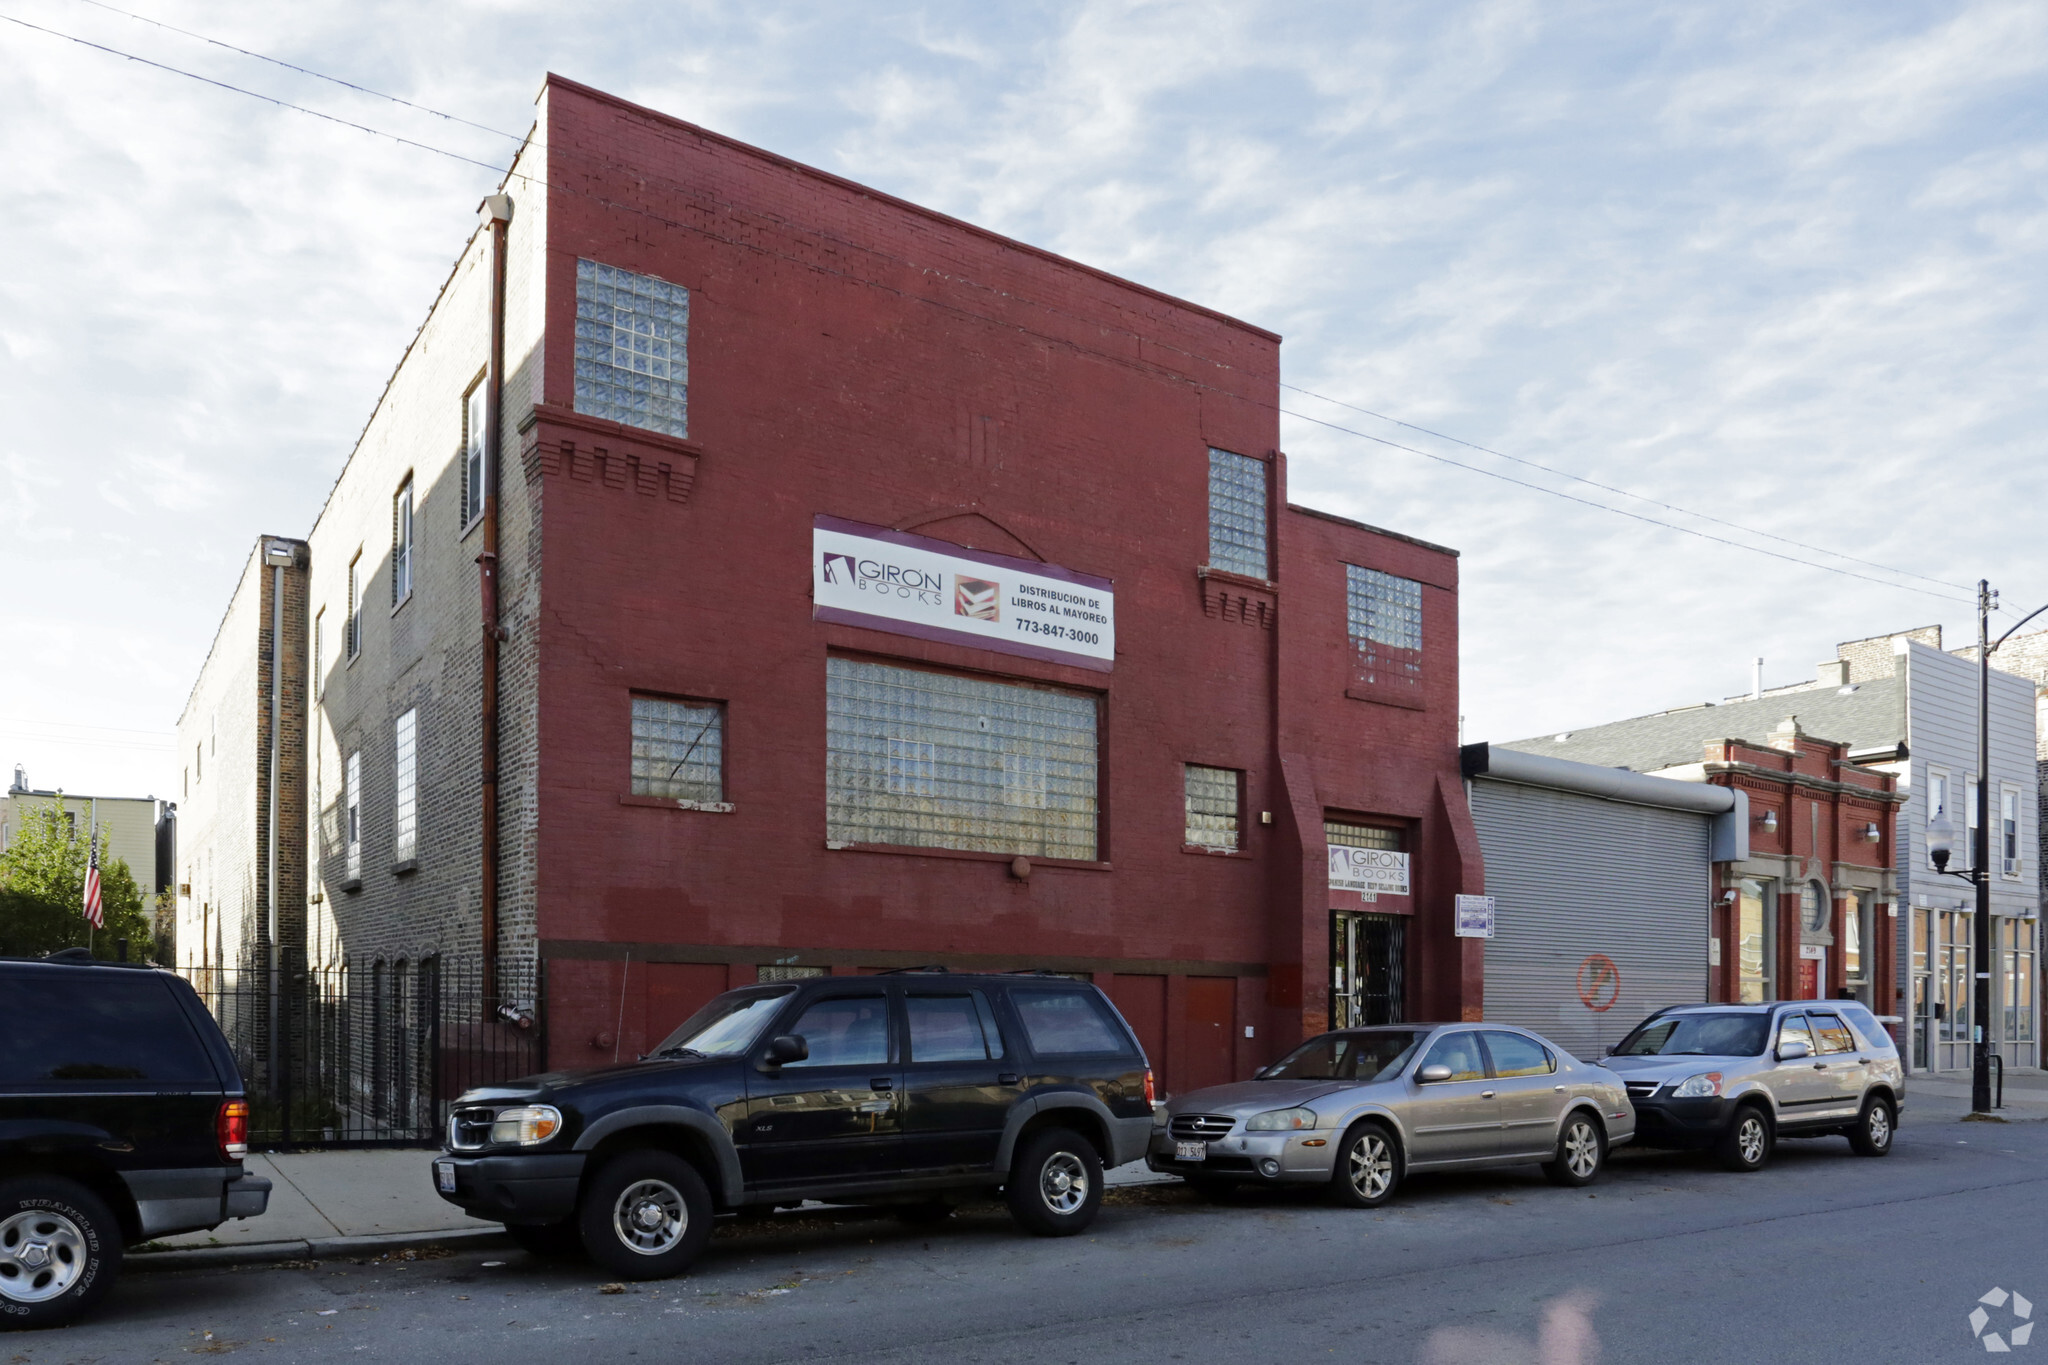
1366, 980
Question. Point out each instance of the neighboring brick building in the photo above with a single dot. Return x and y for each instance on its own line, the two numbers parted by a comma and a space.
909, 595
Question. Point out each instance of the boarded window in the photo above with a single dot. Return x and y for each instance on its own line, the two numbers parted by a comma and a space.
1237, 514
936, 760
632, 361
1384, 615
1211, 806
679, 749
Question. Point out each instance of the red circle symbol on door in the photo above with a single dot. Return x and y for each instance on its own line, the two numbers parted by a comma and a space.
1599, 983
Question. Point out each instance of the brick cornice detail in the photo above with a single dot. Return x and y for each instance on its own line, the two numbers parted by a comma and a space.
590, 449
1752, 776
1236, 597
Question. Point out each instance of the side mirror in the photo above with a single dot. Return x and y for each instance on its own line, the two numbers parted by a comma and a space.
1430, 1075
789, 1047
1792, 1050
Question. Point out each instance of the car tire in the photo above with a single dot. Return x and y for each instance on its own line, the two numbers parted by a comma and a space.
1875, 1127
646, 1215
1746, 1143
1581, 1152
561, 1241
60, 1249
1055, 1185
1368, 1169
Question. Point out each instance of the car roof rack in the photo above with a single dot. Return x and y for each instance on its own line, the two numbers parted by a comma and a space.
936, 967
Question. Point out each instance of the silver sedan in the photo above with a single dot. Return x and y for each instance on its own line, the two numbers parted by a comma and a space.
1359, 1109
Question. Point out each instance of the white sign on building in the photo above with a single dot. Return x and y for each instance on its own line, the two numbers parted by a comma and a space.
1370, 871
1474, 917
871, 576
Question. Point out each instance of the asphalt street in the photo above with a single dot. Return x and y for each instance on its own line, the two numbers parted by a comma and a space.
1822, 1257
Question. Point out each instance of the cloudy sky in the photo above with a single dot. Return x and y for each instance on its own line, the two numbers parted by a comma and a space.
1779, 264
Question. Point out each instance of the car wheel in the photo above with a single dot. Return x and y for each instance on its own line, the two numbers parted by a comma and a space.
561, 1241
1368, 1168
1055, 1185
646, 1215
1875, 1127
1581, 1152
1745, 1145
60, 1249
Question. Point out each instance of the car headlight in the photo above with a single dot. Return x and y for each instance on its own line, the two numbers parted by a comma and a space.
1281, 1120
527, 1125
1698, 1087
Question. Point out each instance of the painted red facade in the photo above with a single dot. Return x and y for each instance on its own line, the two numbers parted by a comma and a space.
854, 356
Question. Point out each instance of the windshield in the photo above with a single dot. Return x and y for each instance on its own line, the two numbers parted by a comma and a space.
727, 1026
1374, 1056
1699, 1035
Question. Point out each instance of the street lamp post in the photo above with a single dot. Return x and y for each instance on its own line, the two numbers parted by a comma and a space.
1941, 842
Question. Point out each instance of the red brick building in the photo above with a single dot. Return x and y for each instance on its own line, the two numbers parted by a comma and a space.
1107, 704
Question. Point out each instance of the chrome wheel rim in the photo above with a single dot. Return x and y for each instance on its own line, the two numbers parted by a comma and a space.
1582, 1150
42, 1254
1063, 1183
1880, 1126
650, 1217
1369, 1165
1749, 1140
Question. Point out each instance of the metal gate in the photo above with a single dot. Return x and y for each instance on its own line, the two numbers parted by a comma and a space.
1367, 982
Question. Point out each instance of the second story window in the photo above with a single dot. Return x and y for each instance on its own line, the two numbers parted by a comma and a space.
632, 348
679, 750
405, 787
352, 626
1212, 807
401, 544
2009, 831
1237, 514
473, 428
1384, 617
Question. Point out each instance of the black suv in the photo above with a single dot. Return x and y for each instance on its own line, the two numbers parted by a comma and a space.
909, 1088
122, 1117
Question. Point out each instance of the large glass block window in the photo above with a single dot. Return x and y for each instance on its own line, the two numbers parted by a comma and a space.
1361, 836
405, 786
679, 750
1384, 616
1211, 807
1237, 514
632, 335
936, 760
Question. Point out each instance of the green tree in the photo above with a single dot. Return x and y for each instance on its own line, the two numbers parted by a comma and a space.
42, 891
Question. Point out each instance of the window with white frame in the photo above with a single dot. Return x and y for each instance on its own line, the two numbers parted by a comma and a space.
2009, 830
941, 760
401, 544
679, 750
1937, 806
632, 348
1212, 807
352, 815
1383, 614
405, 787
1237, 514
473, 427
353, 626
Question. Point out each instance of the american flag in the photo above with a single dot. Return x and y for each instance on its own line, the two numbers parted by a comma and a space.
92, 885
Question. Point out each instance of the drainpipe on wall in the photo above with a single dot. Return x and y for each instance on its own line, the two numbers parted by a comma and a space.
497, 212
277, 555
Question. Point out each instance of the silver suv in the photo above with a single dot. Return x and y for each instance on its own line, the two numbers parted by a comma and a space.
1735, 1078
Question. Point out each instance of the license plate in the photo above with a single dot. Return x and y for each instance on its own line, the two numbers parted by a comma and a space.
1190, 1151
444, 1176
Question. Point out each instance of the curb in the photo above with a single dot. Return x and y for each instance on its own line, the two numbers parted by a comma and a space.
313, 1249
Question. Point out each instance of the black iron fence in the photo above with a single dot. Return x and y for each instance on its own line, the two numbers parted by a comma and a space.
366, 1055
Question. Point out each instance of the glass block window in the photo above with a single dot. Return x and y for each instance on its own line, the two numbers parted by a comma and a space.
1384, 614
632, 335
1361, 836
1211, 806
405, 786
679, 749
1237, 514
936, 760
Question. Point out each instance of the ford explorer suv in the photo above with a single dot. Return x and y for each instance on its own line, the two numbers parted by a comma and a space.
122, 1118
913, 1088
1736, 1078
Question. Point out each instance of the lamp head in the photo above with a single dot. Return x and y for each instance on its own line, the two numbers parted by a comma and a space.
1941, 842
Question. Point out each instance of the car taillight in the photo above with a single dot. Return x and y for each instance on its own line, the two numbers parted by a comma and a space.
231, 1126
1151, 1093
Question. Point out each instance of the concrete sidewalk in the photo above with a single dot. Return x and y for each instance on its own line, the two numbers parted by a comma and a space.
2026, 1090
360, 1203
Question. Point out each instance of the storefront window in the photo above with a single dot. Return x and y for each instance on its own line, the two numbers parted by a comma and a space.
2016, 952
1755, 950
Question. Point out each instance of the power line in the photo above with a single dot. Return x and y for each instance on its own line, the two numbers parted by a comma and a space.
302, 70
1442, 459
1610, 488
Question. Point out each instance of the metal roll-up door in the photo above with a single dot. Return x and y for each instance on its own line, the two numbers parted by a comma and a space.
1602, 911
